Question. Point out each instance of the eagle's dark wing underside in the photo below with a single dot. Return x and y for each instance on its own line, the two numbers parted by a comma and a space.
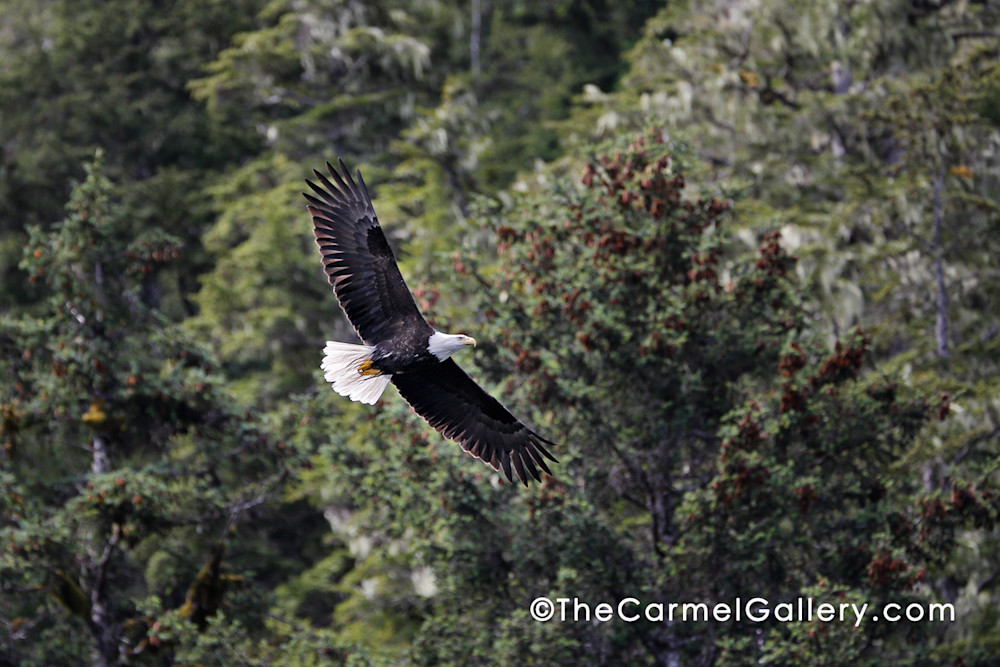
357, 258
460, 409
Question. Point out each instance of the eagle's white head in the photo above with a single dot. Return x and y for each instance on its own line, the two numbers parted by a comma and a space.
443, 345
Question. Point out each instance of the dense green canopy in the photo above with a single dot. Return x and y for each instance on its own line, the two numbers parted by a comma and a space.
736, 257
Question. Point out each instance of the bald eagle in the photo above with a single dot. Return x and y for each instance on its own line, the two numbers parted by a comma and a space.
399, 345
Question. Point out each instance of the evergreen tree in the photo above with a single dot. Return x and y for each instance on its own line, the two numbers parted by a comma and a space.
82, 76
126, 468
864, 132
706, 421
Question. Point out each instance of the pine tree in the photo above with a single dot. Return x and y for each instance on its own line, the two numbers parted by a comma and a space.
125, 464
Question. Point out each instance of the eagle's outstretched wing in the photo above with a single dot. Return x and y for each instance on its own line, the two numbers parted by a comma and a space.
357, 258
460, 409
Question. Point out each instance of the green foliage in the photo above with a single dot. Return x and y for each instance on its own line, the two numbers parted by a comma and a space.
433, 100
266, 338
701, 416
711, 446
834, 124
762, 335
123, 457
862, 132
111, 75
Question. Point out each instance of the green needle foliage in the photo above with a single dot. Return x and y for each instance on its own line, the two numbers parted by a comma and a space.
125, 464
727, 449
735, 257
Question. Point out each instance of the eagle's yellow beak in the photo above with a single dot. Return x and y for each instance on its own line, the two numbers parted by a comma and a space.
469, 340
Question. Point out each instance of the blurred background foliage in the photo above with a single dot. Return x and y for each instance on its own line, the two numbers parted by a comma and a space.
737, 258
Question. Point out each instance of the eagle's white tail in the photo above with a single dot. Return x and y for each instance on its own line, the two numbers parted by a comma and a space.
342, 369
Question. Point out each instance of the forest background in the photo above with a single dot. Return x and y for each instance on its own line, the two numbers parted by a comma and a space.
737, 258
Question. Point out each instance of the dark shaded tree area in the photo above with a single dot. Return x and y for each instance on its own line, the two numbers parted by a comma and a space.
735, 258
78, 77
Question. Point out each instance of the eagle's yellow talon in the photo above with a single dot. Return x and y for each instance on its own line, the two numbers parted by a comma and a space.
366, 368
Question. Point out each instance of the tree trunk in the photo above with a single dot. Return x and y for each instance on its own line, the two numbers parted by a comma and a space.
474, 38
101, 623
937, 250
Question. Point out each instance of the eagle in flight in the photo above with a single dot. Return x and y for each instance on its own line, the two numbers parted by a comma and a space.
399, 345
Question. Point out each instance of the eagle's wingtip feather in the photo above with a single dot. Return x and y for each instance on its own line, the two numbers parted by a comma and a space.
505, 462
